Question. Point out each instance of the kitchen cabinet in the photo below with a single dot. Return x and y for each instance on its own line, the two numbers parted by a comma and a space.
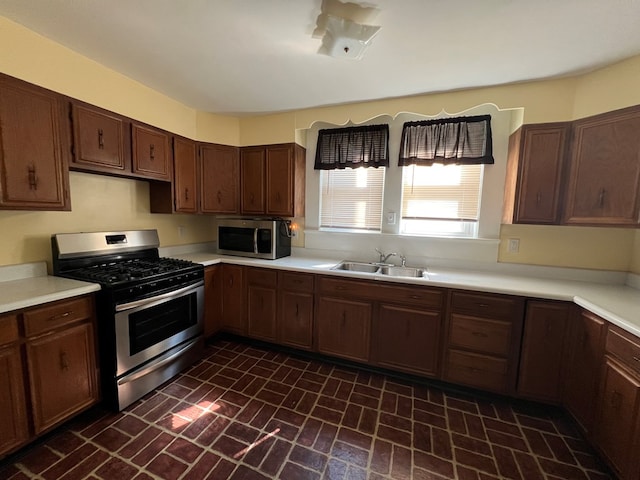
407, 329
585, 348
534, 181
101, 140
545, 325
233, 300
219, 179
14, 426
295, 309
483, 341
617, 425
262, 291
185, 176
272, 180
35, 149
151, 152
47, 368
604, 175
344, 328
212, 299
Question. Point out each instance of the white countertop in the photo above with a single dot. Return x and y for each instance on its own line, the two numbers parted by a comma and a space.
619, 304
27, 285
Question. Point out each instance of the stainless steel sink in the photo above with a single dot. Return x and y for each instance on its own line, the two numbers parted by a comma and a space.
394, 271
363, 267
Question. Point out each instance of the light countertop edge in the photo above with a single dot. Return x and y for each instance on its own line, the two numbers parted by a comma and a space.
619, 304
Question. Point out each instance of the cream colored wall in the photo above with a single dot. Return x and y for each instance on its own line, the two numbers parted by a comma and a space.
217, 128
635, 255
99, 203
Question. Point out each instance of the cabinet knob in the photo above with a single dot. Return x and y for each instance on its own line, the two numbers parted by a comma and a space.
186, 194
219, 196
33, 178
64, 361
601, 198
152, 151
100, 139
538, 198
59, 316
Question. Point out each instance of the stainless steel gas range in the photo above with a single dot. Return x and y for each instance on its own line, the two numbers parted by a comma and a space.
150, 309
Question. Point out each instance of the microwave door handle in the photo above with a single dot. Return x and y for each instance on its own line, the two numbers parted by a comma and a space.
255, 240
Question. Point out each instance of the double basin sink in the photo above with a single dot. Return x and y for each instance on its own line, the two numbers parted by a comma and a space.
389, 270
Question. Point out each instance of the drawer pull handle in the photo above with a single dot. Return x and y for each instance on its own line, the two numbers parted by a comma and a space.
416, 297
479, 334
100, 139
64, 362
60, 316
483, 305
636, 359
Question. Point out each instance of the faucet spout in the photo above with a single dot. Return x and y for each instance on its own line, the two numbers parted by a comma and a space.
384, 257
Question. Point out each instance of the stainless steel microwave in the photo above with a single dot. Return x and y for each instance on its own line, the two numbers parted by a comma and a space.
257, 238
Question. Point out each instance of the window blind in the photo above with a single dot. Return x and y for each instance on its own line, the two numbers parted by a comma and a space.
352, 198
459, 140
440, 192
365, 146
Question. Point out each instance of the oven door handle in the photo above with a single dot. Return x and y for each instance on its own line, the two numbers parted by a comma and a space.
255, 240
163, 296
156, 366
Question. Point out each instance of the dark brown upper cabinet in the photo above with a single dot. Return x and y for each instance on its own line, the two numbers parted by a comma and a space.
604, 175
219, 179
272, 180
151, 152
535, 173
101, 140
34, 141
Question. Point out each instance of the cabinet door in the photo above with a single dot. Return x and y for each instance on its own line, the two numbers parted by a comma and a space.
101, 141
212, 299
151, 153
252, 180
541, 150
407, 339
582, 366
295, 326
280, 180
13, 421
185, 182
261, 312
62, 375
219, 179
34, 142
604, 181
344, 328
542, 345
233, 299
614, 427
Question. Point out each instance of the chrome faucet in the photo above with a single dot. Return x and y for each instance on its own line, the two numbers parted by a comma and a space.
403, 261
384, 257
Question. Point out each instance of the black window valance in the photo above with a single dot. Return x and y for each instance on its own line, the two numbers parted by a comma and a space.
459, 140
365, 146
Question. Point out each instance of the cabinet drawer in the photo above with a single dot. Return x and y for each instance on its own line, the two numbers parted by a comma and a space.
49, 317
345, 288
624, 346
486, 336
476, 370
8, 329
427, 297
262, 276
301, 282
485, 305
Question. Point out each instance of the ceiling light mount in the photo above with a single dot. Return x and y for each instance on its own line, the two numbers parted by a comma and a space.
346, 39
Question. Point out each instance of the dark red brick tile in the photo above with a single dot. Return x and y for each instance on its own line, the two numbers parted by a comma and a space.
314, 377
254, 387
161, 410
405, 406
433, 464
381, 457
506, 463
401, 462
367, 390
528, 466
116, 468
487, 410
309, 432
229, 446
277, 387
347, 375
465, 473
422, 437
332, 403
194, 428
174, 389
184, 450
475, 426
296, 363
139, 442
336, 470
291, 470
537, 423
270, 397
330, 387
326, 414
289, 416
249, 411
351, 417
389, 402
500, 426
344, 391
152, 449
364, 400
355, 438
308, 458
559, 448
282, 429
65, 442
222, 381
398, 388
276, 457
306, 403
242, 432
131, 425
368, 421
166, 467
350, 454
394, 435
111, 439
429, 407
505, 440
537, 443
308, 385
363, 378
396, 421
465, 406
562, 470
474, 460
105, 421
293, 398
471, 444
57, 470
456, 421
87, 466
292, 377
39, 459
325, 438
235, 398
225, 408
263, 416
257, 452
202, 467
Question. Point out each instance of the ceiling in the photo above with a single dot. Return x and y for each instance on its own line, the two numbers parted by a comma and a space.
245, 57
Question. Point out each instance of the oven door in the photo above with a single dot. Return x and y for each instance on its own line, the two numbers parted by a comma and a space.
148, 328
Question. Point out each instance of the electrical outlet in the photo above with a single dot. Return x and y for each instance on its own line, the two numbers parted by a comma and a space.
514, 245
181, 231
391, 218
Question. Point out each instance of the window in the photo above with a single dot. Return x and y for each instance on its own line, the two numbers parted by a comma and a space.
351, 199
441, 199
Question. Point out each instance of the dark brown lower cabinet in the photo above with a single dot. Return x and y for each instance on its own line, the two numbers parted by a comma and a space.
587, 334
233, 300
14, 426
541, 365
261, 303
344, 328
212, 299
295, 309
407, 339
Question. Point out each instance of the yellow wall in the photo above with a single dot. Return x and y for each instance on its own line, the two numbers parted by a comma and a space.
635, 255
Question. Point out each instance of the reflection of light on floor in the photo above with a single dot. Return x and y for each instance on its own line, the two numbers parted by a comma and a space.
256, 443
193, 413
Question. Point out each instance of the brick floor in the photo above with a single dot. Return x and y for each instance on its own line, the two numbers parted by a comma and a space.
248, 413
